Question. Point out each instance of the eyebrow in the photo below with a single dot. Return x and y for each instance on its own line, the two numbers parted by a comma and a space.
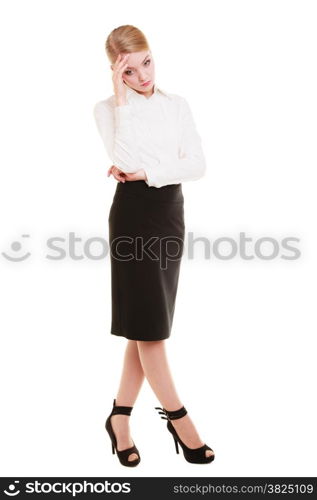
131, 67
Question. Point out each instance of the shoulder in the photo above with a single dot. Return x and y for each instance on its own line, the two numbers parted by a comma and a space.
173, 97
176, 101
180, 105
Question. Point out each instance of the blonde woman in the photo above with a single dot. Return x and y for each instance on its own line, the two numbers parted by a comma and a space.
151, 139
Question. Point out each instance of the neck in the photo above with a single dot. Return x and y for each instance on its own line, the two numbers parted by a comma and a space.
148, 93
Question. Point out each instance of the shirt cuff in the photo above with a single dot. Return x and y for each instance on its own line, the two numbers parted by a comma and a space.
150, 178
150, 165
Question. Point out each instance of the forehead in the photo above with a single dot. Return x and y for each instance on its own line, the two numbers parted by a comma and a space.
135, 59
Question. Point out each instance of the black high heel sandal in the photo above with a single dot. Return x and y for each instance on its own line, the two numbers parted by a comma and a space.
123, 455
192, 455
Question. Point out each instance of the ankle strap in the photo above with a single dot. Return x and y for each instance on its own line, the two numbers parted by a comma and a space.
121, 410
172, 415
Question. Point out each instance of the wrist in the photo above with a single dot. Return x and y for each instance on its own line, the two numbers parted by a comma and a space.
120, 101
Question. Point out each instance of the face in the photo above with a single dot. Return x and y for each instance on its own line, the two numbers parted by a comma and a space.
140, 70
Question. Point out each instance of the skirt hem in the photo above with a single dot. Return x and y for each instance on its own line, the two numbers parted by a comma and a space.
144, 339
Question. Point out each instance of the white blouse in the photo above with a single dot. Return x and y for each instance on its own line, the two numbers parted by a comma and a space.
157, 134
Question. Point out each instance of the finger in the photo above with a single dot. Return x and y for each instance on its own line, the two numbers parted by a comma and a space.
116, 62
121, 68
121, 62
111, 169
119, 73
121, 177
117, 175
118, 170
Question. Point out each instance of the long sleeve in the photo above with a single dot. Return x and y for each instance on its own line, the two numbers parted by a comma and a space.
117, 133
190, 164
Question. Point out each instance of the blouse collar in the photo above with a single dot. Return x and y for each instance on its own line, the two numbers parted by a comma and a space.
132, 94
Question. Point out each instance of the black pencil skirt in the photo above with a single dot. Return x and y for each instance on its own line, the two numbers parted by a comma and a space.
146, 239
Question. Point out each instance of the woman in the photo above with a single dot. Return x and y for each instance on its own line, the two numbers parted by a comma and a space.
151, 138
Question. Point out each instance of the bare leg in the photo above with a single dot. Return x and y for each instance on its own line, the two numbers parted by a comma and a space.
155, 365
132, 378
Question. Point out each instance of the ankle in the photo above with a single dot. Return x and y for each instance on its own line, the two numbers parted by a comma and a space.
172, 414
120, 418
179, 422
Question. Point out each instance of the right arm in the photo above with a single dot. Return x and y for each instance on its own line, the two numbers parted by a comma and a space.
114, 122
115, 126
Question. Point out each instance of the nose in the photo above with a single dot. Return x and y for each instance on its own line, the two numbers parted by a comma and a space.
143, 78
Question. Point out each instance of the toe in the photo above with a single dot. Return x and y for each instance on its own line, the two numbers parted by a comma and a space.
209, 453
133, 456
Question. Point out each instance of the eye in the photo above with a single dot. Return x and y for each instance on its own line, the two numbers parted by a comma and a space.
129, 71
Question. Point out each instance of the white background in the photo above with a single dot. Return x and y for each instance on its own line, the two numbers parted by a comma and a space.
243, 343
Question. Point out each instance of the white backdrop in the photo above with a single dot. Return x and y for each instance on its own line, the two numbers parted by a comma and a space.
243, 343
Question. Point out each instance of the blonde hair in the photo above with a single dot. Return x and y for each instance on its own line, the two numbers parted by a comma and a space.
126, 39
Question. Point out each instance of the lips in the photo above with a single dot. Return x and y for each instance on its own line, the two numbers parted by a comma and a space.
146, 83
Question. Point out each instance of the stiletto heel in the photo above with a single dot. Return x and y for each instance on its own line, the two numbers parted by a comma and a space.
192, 455
176, 445
123, 455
